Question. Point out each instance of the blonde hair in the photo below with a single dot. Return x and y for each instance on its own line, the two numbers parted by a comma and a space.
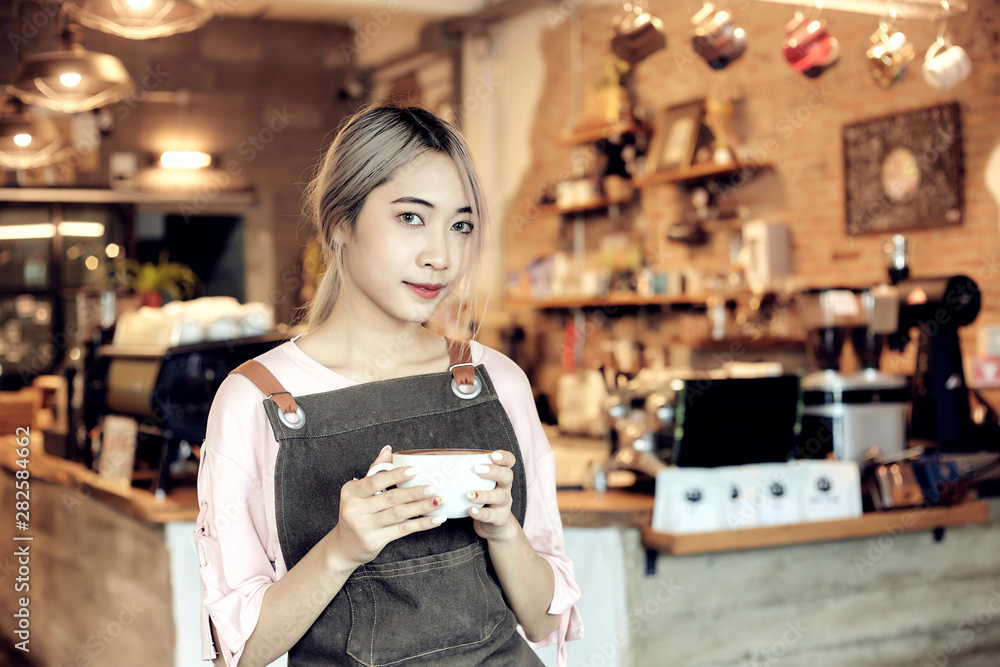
369, 149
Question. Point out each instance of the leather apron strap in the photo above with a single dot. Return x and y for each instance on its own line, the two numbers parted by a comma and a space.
459, 359
460, 363
257, 373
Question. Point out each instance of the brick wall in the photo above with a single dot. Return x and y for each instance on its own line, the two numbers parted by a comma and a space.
805, 186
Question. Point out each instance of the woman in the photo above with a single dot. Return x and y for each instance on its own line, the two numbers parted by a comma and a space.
300, 552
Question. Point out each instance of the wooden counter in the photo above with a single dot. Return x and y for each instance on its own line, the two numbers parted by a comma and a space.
180, 505
867, 525
579, 509
588, 509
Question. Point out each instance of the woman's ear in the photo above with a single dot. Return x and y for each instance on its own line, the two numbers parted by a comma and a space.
340, 234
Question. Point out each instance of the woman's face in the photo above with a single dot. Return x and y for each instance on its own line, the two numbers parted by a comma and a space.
412, 244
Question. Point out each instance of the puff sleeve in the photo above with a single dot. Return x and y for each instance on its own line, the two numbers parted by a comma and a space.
231, 531
542, 522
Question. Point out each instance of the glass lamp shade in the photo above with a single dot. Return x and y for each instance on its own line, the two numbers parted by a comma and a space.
140, 19
71, 80
27, 143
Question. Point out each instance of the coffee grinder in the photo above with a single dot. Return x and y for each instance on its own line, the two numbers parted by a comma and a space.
847, 414
940, 412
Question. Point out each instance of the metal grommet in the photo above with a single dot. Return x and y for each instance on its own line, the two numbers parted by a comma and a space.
477, 388
294, 425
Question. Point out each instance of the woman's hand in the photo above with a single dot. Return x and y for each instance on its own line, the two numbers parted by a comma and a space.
491, 511
370, 519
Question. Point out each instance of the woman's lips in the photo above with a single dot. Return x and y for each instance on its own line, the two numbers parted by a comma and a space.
425, 290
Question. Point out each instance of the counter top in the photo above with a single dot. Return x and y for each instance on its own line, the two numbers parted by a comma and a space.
871, 524
588, 509
579, 509
180, 505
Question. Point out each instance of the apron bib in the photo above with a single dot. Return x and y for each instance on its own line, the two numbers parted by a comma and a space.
430, 598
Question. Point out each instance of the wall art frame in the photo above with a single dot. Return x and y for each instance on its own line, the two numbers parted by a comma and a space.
904, 171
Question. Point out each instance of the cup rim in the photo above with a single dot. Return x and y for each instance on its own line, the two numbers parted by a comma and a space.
440, 451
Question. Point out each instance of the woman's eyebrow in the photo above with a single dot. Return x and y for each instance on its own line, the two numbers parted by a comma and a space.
424, 202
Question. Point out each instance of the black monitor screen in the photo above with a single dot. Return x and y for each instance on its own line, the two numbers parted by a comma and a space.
736, 421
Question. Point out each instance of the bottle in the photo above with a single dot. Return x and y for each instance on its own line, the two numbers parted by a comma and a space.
896, 259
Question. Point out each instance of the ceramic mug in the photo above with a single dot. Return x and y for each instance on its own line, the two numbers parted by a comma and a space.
716, 38
808, 47
946, 64
637, 35
889, 55
449, 471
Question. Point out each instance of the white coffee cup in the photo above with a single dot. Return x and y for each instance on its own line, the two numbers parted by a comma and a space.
451, 473
946, 64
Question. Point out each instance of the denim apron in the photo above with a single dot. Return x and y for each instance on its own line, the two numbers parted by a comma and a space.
429, 598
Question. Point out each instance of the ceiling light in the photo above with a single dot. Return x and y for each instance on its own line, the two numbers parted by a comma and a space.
185, 160
27, 142
88, 229
45, 230
71, 79
140, 19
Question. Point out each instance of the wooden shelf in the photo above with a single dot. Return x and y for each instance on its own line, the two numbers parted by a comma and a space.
868, 525
612, 300
601, 132
596, 205
765, 342
698, 172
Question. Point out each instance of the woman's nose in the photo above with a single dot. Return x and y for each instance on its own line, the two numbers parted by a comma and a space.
434, 253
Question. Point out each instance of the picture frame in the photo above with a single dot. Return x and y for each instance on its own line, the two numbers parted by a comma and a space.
675, 137
904, 171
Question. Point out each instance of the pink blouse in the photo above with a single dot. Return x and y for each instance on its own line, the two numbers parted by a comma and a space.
236, 536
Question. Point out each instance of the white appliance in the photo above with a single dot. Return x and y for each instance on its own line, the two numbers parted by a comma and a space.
766, 254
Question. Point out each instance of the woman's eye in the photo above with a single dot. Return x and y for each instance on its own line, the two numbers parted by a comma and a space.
410, 218
464, 227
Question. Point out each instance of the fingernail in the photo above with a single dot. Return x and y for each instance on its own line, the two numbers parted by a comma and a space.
473, 495
410, 472
438, 520
387, 447
475, 511
497, 456
428, 490
481, 469
439, 501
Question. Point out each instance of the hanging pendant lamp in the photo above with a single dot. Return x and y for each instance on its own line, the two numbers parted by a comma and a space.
71, 79
140, 19
27, 142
